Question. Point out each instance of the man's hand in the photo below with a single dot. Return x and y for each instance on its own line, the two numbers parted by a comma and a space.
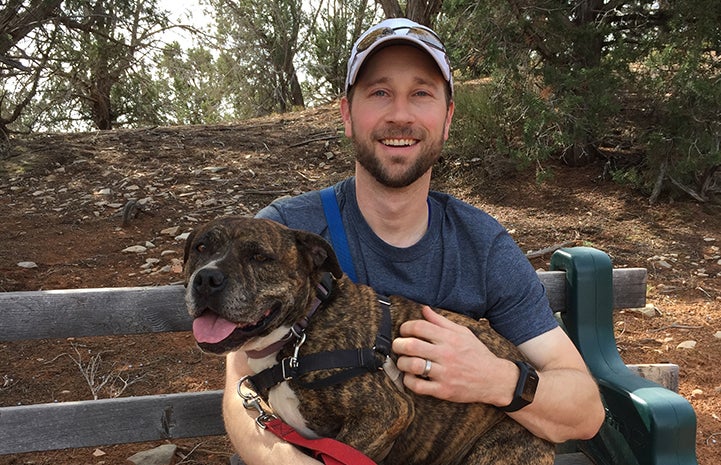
462, 368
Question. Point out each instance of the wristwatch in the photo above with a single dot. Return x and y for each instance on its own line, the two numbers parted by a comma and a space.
525, 388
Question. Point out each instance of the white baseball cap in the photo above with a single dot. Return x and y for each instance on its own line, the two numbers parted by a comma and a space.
398, 29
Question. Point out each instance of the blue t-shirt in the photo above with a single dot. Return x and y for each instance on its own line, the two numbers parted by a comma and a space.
466, 262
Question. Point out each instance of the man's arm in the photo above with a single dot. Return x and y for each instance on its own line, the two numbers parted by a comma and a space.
567, 404
253, 444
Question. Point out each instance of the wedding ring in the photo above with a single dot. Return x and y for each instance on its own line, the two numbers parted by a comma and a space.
427, 369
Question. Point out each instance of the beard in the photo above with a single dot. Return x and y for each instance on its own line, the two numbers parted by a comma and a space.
393, 174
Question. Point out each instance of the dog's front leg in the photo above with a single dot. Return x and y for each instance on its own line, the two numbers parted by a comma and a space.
374, 433
368, 413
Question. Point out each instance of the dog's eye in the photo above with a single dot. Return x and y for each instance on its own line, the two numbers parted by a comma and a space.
261, 258
201, 247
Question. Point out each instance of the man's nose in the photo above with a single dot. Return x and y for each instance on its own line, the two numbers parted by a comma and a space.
401, 111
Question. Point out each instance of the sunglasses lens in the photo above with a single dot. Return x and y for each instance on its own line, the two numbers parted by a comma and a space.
372, 37
424, 35
428, 37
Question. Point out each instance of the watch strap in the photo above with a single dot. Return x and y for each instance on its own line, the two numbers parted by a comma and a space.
518, 402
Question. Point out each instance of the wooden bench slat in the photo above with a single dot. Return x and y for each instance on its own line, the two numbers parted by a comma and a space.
95, 423
92, 423
137, 310
629, 288
93, 312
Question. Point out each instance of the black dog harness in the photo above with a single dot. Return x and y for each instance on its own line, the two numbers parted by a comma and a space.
352, 362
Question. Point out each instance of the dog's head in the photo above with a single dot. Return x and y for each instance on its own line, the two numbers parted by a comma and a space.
246, 278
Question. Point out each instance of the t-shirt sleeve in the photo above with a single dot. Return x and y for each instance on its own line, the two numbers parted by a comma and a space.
518, 307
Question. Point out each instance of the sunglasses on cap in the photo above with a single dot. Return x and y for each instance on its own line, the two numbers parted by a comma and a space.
426, 36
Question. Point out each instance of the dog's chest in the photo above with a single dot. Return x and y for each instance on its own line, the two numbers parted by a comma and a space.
282, 400
286, 405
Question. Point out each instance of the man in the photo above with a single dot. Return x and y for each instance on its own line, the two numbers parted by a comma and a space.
431, 248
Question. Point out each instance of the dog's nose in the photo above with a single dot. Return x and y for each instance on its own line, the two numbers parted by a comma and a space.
209, 281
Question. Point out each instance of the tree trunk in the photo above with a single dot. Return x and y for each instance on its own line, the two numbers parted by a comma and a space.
423, 11
420, 11
296, 93
587, 52
101, 83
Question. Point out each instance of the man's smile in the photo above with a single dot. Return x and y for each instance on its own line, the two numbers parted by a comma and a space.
399, 142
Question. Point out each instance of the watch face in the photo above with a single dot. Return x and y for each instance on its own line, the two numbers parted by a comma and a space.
529, 388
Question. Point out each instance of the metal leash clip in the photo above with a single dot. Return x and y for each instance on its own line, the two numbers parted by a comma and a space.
251, 400
289, 364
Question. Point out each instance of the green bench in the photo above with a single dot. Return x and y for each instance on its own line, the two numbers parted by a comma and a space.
645, 423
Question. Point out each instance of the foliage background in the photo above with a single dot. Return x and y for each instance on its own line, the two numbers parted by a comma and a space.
633, 84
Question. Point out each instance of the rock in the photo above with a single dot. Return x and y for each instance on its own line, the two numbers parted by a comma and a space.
686, 345
135, 249
161, 455
697, 394
171, 231
182, 237
649, 311
28, 265
98, 453
106, 191
717, 335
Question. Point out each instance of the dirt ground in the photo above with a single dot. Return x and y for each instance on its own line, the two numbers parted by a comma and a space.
61, 201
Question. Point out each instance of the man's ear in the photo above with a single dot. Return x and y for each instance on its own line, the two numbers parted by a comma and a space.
319, 252
345, 114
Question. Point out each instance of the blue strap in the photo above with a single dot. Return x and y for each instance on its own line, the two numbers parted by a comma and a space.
337, 231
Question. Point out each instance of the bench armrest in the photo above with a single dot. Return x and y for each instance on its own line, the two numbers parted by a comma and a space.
645, 424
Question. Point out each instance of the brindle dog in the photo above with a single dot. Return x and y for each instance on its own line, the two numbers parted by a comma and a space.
249, 281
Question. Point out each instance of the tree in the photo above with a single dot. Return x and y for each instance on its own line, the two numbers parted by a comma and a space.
678, 80
106, 42
75, 60
20, 71
262, 39
196, 90
569, 77
339, 24
420, 11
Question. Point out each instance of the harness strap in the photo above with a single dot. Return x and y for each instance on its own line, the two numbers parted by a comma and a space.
353, 362
322, 293
337, 231
330, 451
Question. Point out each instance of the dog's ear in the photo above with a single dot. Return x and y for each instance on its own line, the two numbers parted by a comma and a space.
319, 251
188, 243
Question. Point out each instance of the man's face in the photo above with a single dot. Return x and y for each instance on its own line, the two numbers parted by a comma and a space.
399, 117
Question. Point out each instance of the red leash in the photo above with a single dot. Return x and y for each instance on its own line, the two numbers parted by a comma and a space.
329, 451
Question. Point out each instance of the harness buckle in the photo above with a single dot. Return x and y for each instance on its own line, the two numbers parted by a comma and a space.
251, 400
291, 363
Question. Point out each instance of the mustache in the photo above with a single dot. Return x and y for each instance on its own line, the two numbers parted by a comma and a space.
398, 132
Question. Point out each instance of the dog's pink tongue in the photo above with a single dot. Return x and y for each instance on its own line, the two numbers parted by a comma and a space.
211, 328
